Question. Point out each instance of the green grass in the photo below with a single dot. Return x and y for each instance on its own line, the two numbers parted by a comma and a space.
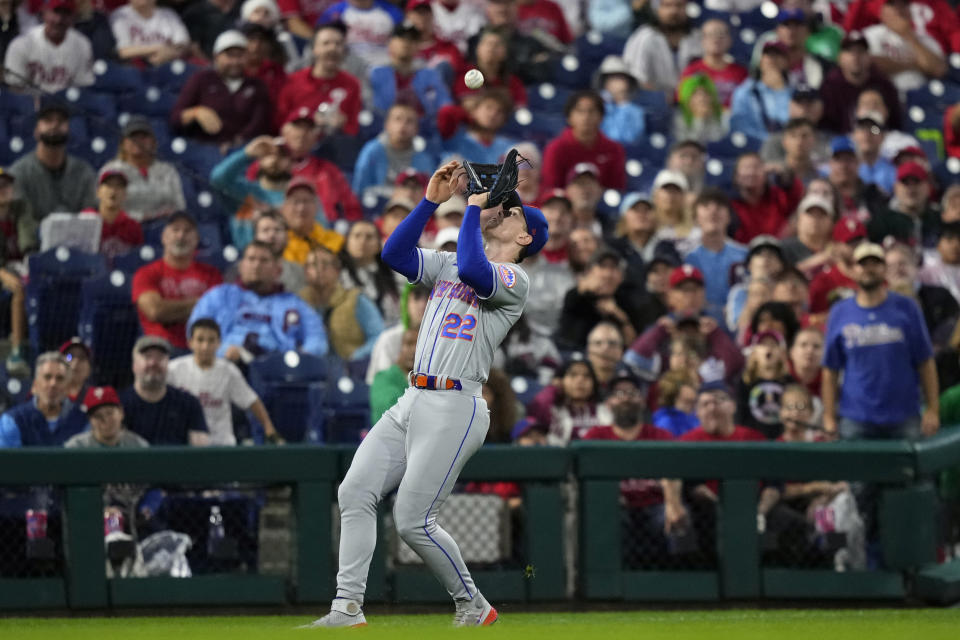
874, 624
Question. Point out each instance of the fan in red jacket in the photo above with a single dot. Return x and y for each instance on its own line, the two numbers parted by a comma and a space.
582, 141
935, 17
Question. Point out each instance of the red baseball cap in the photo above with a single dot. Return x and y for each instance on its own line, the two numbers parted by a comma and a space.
298, 182
912, 150
683, 273
98, 397
75, 342
848, 230
106, 174
416, 4
66, 5
769, 333
581, 168
912, 170
412, 174
300, 113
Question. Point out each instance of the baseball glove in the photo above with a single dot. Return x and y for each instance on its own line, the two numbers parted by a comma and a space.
498, 180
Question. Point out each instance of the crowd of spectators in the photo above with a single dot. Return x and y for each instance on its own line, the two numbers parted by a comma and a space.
785, 264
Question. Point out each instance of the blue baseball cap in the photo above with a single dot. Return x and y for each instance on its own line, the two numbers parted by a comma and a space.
536, 227
841, 144
632, 199
786, 15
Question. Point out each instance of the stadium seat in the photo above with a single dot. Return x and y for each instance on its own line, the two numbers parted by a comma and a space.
54, 294
947, 172
547, 97
719, 173
292, 387
657, 114
593, 47
109, 325
12, 103
129, 262
936, 95
171, 76
89, 102
116, 78
347, 410
373, 205
525, 388
572, 72
152, 102
198, 157
651, 151
742, 44
537, 127
733, 146
224, 259
929, 117
371, 124
203, 201
16, 144
97, 151
762, 18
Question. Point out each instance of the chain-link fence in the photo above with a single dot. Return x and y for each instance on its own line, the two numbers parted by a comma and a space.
31, 532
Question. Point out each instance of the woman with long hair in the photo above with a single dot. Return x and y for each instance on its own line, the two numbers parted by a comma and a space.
153, 187
569, 407
363, 269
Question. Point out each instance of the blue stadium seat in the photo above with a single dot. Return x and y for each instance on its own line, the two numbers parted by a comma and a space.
570, 71
79, 130
347, 410
733, 146
129, 262
762, 18
373, 205
650, 151
152, 102
593, 47
152, 230
115, 77
719, 173
371, 124
929, 117
19, 142
742, 44
198, 157
936, 94
97, 150
15, 104
171, 76
292, 387
161, 131
89, 102
109, 325
538, 127
947, 172
54, 294
547, 97
13, 391
525, 388
658, 116
205, 202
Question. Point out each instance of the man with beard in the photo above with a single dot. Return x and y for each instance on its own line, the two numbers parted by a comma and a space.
166, 290
654, 507
656, 53
154, 410
325, 84
879, 341
50, 179
256, 316
270, 229
221, 104
51, 56
273, 174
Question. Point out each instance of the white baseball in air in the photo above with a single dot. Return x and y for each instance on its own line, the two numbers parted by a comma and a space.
473, 79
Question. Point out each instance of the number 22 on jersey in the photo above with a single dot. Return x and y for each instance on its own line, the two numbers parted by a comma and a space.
457, 326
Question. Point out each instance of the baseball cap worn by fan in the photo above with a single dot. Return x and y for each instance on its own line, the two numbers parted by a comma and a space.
852, 39
685, 273
456, 204
75, 342
60, 5
849, 230
412, 174
137, 124
299, 114
813, 201
764, 241
300, 182
791, 15
912, 170
633, 199
144, 343
106, 174
448, 234
866, 250
97, 397
582, 168
841, 144
177, 216
232, 39
668, 177
413, 5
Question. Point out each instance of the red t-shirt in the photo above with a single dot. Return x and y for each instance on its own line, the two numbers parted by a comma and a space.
272, 74
119, 236
172, 284
827, 287
726, 79
637, 492
309, 10
441, 51
769, 215
513, 84
303, 90
564, 152
740, 434
545, 16
934, 17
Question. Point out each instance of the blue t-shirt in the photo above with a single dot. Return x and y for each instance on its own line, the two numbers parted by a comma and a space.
878, 349
166, 422
716, 268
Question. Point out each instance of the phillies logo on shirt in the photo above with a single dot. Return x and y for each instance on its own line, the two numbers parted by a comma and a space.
40, 74
507, 275
290, 318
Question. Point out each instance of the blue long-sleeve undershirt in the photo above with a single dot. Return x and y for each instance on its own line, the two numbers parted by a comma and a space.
472, 264
400, 250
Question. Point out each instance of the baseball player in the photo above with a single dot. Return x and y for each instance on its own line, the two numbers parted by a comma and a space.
421, 443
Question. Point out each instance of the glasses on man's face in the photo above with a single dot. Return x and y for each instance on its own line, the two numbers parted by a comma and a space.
625, 394
796, 406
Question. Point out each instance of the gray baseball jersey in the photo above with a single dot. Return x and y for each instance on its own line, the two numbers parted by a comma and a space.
461, 331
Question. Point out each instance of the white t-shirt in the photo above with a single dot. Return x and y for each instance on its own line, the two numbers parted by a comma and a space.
216, 388
33, 61
133, 30
884, 42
